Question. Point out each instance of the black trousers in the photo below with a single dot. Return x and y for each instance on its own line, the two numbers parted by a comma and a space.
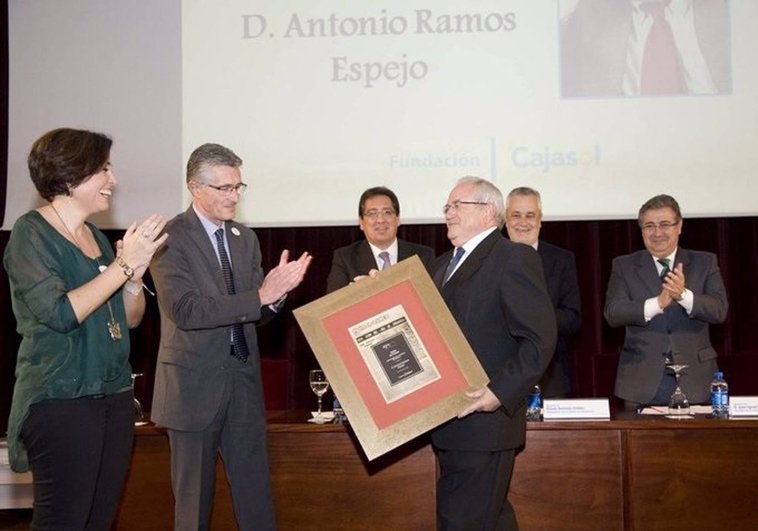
472, 491
79, 451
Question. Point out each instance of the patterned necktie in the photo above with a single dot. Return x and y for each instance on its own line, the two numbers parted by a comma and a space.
453, 263
385, 256
665, 263
238, 333
661, 71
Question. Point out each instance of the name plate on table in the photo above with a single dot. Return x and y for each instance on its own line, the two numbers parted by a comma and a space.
743, 406
575, 409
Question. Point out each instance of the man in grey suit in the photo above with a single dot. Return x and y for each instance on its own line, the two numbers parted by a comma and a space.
523, 221
379, 219
495, 290
208, 392
666, 297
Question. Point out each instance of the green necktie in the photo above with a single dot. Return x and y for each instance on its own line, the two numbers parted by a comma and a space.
665, 263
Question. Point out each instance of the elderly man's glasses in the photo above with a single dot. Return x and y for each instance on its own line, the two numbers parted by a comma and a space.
227, 189
455, 205
663, 226
375, 213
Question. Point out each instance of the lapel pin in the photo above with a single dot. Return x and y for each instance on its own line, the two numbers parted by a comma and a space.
235, 231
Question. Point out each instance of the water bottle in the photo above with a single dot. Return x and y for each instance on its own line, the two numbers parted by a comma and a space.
534, 405
339, 413
719, 397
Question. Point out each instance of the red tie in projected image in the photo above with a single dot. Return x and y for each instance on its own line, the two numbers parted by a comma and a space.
661, 68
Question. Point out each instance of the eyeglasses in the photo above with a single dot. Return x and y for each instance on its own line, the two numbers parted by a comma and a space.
455, 205
663, 226
374, 213
227, 189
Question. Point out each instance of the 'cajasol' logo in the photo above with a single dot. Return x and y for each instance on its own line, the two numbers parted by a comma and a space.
546, 158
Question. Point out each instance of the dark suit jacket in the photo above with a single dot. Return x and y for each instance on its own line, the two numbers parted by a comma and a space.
196, 315
594, 41
634, 279
357, 259
559, 266
499, 299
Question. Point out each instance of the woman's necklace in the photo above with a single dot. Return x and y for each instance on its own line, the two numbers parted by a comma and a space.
114, 328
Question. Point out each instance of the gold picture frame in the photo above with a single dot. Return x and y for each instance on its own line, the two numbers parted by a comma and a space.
393, 354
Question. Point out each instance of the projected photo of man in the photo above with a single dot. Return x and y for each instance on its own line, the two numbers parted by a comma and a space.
644, 47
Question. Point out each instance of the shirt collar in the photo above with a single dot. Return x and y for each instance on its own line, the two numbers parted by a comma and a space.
670, 258
392, 250
679, 7
471, 244
208, 225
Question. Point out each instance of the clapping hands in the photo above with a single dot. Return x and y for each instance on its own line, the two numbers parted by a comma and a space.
673, 287
283, 278
140, 242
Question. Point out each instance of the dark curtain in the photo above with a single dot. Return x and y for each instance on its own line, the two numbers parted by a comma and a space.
595, 350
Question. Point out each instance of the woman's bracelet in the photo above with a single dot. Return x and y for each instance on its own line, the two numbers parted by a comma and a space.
133, 288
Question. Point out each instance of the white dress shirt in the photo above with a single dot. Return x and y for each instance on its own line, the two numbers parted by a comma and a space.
651, 305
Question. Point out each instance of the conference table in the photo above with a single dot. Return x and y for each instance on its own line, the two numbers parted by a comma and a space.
631, 473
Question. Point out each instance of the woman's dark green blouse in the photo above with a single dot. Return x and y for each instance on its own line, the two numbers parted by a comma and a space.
58, 357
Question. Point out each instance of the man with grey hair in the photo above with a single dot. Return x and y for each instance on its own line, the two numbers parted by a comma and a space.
496, 292
208, 390
666, 297
523, 221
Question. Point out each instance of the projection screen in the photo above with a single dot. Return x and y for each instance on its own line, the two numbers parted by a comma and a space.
324, 99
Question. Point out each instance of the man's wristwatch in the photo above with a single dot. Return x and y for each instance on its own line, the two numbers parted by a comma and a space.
128, 271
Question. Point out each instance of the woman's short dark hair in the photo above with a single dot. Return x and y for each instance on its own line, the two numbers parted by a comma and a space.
61, 159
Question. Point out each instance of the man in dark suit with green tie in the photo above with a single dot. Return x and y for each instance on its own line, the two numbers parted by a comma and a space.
667, 298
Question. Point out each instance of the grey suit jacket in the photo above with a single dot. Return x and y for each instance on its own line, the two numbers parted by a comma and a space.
499, 300
634, 279
357, 259
196, 316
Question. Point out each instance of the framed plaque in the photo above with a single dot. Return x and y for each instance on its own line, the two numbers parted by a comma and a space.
393, 354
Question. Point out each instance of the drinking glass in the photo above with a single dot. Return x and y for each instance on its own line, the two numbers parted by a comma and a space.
320, 386
139, 415
679, 405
